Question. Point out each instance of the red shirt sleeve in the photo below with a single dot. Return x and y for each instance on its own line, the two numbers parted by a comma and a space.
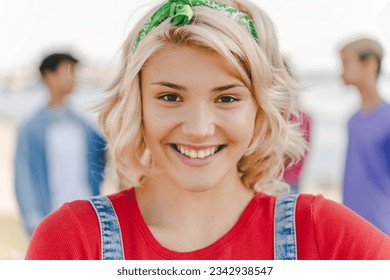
328, 230
68, 233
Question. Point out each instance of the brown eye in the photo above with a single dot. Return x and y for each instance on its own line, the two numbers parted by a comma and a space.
170, 97
227, 99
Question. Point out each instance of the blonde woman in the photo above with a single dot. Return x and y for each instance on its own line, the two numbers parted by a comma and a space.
197, 124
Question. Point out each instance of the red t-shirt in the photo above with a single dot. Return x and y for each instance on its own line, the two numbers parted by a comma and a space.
325, 230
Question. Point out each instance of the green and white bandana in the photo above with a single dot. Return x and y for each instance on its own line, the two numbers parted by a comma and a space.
180, 12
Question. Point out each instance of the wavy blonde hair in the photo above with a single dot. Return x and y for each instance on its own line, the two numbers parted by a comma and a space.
258, 64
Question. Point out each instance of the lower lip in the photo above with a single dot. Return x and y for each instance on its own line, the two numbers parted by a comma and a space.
195, 162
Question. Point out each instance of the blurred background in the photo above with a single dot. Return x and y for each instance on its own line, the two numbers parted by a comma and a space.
310, 34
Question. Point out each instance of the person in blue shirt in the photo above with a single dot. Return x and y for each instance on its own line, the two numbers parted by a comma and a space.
60, 156
366, 188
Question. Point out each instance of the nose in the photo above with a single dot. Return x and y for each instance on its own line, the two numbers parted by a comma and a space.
199, 121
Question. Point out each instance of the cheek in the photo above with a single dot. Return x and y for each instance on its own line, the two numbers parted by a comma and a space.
67, 81
240, 125
348, 74
353, 71
158, 122
150, 125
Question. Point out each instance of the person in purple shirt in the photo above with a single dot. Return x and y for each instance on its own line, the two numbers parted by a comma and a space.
366, 188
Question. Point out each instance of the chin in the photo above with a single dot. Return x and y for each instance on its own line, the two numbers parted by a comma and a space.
348, 82
197, 186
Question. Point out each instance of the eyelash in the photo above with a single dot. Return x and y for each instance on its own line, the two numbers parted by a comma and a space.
232, 99
166, 97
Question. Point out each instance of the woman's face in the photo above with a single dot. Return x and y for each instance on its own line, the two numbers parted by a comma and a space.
198, 117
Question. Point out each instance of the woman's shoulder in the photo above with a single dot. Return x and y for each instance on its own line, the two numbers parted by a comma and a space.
326, 229
303, 200
305, 203
311, 202
83, 210
122, 195
73, 223
326, 214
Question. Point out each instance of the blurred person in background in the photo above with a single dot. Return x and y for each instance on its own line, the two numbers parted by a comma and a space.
293, 173
293, 170
60, 156
366, 188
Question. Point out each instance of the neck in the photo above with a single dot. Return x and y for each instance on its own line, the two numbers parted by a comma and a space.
196, 219
56, 99
370, 96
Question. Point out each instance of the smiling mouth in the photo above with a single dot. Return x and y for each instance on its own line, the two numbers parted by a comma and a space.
197, 154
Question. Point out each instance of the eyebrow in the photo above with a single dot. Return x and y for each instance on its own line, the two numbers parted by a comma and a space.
179, 87
170, 85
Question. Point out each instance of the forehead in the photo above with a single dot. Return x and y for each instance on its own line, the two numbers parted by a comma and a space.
64, 66
349, 51
185, 64
66, 63
348, 54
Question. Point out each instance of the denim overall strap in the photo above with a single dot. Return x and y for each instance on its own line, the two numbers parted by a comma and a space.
285, 233
110, 232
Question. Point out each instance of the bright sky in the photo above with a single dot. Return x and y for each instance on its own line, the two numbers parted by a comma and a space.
309, 30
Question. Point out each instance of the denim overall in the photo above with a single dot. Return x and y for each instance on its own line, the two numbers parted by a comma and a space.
284, 235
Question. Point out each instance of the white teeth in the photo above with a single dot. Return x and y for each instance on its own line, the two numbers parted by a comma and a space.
201, 154
193, 154
197, 154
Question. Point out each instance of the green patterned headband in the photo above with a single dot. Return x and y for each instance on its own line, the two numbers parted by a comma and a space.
181, 13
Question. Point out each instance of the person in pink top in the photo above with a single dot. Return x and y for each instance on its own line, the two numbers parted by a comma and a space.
197, 124
292, 174
293, 170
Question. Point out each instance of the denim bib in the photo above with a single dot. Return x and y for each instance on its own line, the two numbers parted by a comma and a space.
284, 235
285, 239
110, 231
